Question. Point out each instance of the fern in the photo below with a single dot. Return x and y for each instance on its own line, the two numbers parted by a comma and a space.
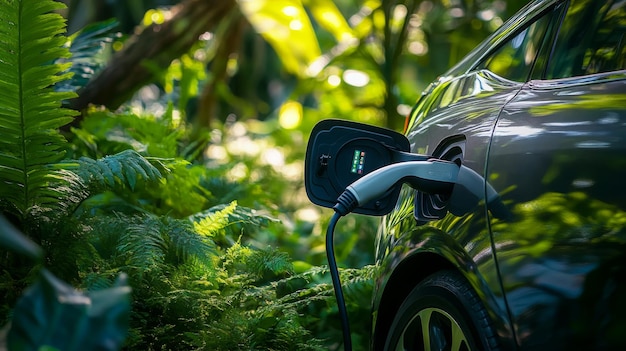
226, 221
89, 53
105, 132
215, 220
143, 245
269, 263
186, 244
30, 110
125, 168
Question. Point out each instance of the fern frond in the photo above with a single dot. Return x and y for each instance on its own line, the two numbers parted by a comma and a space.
143, 244
182, 193
187, 244
88, 48
358, 284
214, 220
229, 219
146, 133
125, 168
269, 263
252, 217
31, 41
65, 190
237, 253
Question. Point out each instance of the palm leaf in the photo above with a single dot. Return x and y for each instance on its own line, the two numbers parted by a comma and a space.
31, 41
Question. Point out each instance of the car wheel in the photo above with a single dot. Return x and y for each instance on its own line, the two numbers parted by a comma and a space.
442, 313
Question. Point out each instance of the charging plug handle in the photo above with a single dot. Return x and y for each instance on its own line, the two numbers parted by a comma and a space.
432, 176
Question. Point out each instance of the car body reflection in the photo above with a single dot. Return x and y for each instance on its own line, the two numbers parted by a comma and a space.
538, 111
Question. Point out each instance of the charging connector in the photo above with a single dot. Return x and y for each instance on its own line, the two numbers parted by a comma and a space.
432, 176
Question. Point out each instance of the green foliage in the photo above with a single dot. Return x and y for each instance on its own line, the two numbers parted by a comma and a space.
104, 133
51, 314
30, 110
210, 272
90, 49
126, 167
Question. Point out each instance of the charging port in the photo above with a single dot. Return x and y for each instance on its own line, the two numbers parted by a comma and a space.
431, 207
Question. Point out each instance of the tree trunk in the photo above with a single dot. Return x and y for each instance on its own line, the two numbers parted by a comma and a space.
149, 51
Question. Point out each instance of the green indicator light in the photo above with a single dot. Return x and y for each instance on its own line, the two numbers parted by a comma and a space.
358, 162
355, 161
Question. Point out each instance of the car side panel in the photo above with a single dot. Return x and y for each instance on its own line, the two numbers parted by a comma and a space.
466, 107
558, 162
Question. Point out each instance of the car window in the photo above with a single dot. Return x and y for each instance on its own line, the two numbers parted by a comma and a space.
592, 39
515, 58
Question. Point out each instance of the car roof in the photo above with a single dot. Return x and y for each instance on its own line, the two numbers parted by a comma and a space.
519, 20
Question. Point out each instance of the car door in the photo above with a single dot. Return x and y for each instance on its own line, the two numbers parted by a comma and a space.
455, 122
558, 161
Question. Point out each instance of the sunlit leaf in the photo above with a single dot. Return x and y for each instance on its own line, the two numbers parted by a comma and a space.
287, 27
330, 18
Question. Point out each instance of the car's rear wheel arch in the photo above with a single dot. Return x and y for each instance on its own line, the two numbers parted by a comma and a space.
405, 277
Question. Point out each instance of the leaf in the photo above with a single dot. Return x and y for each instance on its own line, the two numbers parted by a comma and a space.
215, 220
236, 215
52, 314
31, 41
126, 167
270, 263
330, 18
88, 48
188, 244
15, 241
286, 26
143, 243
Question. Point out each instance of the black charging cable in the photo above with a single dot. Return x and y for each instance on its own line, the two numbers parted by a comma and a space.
433, 176
346, 202
334, 275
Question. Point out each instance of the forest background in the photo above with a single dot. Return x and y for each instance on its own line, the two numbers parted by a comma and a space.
159, 146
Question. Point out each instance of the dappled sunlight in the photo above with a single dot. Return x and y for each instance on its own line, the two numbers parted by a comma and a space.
290, 115
356, 78
287, 26
308, 214
273, 157
334, 80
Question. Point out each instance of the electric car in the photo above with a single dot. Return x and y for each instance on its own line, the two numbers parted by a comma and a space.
504, 204
536, 259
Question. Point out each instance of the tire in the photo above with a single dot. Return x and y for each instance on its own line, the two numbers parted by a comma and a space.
442, 313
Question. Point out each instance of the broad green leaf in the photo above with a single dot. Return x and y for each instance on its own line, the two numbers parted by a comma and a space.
287, 27
52, 314
330, 18
12, 239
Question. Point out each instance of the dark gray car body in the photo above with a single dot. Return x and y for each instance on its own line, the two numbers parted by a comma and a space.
548, 257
